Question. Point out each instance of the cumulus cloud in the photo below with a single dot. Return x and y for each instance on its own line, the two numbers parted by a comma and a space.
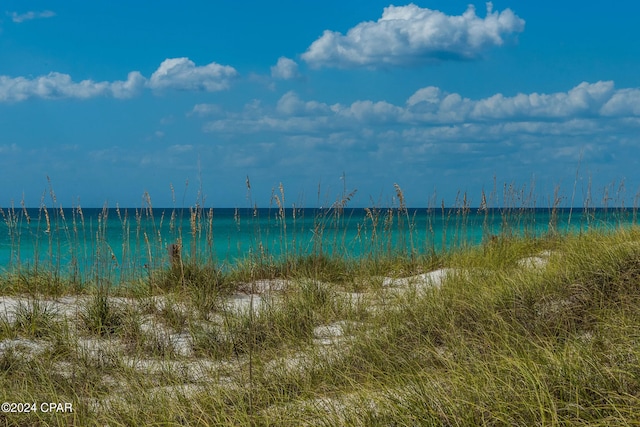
27, 16
53, 85
428, 95
58, 85
584, 100
128, 88
409, 35
291, 105
176, 73
183, 74
285, 69
625, 102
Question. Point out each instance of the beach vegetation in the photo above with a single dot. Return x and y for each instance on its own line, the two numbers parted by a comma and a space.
530, 325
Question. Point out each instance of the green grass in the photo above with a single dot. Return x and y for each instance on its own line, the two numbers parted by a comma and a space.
497, 344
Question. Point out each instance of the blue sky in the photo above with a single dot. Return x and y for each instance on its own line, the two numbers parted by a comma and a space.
442, 97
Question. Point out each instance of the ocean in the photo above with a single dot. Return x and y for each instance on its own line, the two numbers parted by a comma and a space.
127, 243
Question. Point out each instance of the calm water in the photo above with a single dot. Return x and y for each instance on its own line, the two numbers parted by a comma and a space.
124, 243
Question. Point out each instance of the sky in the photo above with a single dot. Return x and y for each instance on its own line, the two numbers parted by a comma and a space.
102, 102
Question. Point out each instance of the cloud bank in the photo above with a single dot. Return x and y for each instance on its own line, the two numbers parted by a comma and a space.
587, 107
433, 133
172, 74
409, 35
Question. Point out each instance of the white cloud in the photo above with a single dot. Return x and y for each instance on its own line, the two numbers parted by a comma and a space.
53, 85
431, 115
128, 88
177, 73
373, 112
183, 74
625, 102
291, 105
584, 100
27, 16
407, 35
285, 69
429, 95
57, 85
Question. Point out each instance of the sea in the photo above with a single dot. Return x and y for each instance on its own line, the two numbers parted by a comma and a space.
124, 244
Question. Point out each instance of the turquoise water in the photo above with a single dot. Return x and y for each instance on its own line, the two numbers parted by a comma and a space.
126, 243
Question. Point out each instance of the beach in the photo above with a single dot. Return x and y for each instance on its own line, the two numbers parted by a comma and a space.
482, 331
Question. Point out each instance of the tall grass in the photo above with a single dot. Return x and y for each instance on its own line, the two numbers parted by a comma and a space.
89, 251
153, 327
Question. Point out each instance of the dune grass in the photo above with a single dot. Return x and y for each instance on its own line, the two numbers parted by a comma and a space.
523, 330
